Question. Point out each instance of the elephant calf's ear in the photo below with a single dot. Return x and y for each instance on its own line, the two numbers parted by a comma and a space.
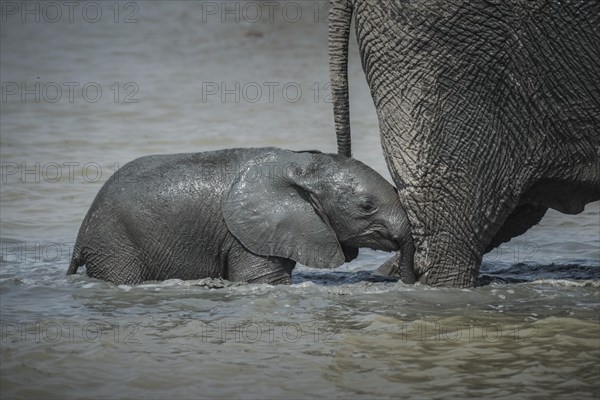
270, 214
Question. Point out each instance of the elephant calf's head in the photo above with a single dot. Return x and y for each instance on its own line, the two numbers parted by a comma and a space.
316, 209
363, 208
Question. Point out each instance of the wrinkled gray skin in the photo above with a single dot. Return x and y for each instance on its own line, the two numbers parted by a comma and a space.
489, 114
239, 214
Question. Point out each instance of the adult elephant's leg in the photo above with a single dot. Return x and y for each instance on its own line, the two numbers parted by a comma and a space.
243, 266
455, 205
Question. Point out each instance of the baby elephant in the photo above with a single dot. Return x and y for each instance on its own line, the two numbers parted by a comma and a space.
239, 214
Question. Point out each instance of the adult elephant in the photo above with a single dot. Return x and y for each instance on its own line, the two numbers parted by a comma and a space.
489, 114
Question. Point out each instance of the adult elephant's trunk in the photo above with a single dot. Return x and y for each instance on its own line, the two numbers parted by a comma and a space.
340, 18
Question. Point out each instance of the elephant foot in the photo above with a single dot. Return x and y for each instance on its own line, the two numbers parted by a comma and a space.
398, 266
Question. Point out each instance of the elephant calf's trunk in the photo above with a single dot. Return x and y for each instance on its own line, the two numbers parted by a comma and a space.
401, 264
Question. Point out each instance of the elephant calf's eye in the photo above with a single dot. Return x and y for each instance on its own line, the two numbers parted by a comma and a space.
367, 205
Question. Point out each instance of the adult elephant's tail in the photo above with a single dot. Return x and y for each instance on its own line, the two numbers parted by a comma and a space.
340, 18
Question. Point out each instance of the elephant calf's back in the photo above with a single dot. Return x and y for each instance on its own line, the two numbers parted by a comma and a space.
151, 219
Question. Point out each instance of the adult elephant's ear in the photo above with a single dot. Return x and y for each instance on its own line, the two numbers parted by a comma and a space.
272, 209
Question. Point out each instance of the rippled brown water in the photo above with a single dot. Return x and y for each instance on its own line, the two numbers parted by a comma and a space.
532, 332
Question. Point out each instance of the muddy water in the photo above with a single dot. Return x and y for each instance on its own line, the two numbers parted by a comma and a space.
180, 79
